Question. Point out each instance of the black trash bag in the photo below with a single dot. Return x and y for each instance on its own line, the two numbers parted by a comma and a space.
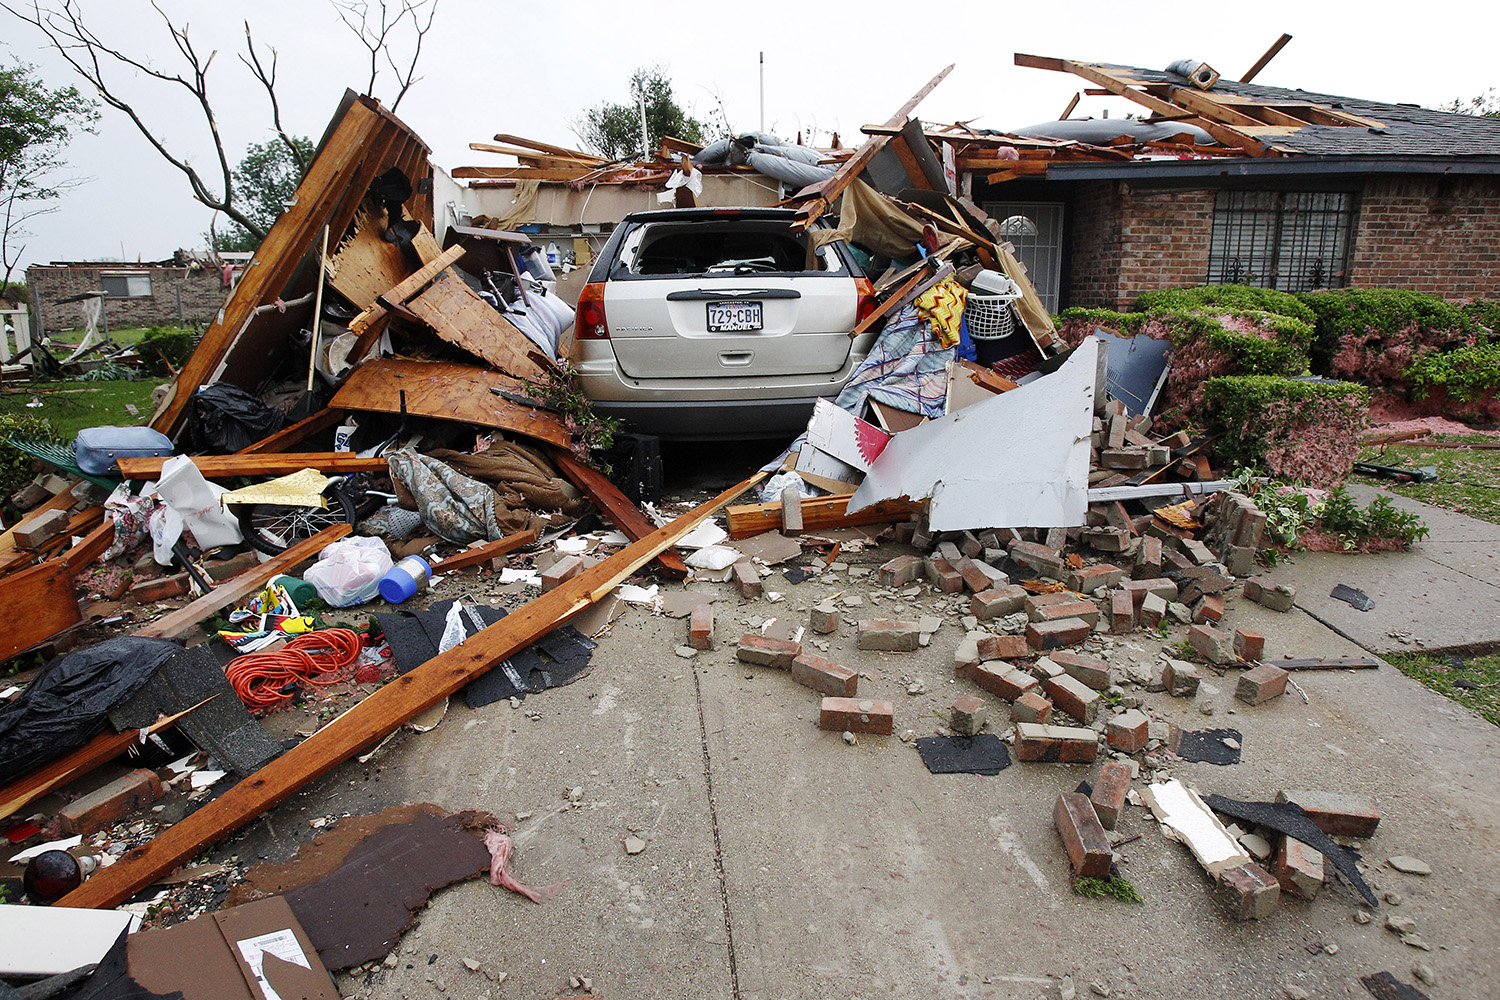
68, 705
226, 419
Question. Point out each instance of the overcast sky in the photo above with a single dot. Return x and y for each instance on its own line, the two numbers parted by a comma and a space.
532, 68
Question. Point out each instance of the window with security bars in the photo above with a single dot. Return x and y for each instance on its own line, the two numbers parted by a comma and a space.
1293, 241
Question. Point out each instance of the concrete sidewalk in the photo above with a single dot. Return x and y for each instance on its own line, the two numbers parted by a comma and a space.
1442, 595
782, 863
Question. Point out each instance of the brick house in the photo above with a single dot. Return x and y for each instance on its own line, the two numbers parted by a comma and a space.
182, 290
1304, 191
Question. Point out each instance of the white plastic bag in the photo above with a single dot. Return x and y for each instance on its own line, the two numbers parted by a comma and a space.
349, 571
714, 557
192, 502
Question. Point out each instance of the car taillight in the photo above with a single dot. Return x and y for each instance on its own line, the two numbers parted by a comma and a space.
866, 303
591, 324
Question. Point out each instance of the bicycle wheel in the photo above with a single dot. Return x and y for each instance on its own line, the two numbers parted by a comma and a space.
274, 528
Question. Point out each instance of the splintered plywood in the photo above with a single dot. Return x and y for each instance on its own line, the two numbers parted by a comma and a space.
463, 319
446, 392
368, 266
39, 604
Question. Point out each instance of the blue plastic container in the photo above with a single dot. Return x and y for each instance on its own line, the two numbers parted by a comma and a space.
403, 580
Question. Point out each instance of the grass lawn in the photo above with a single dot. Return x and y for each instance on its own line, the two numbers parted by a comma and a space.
1473, 683
1468, 480
71, 406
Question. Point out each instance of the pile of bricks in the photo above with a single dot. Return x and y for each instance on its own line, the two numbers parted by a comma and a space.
1123, 448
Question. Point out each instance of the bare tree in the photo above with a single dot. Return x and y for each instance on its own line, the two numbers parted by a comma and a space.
98, 62
377, 24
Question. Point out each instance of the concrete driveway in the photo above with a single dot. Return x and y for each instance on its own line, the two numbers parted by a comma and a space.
783, 863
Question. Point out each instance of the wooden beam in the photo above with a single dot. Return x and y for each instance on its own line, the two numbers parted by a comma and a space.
544, 147
270, 464
818, 512
237, 588
523, 173
380, 713
1204, 104
1069, 109
617, 507
484, 553
368, 325
101, 749
550, 159
1260, 64
91, 547
1329, 663
284, 439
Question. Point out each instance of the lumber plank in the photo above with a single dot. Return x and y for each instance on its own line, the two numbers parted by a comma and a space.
524, 173
446, 391
39, 603
278, 256
235, 589
457, 314
367, 265
1328, 663
617, 507
272, 464
820, 512
891, 301
484, 553
284, 439
404, 289
546, 147
380, 713
91, 547
1260, 64
101, 749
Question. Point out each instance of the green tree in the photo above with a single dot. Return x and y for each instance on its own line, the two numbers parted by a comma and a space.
36, 125
264, 181
614, 130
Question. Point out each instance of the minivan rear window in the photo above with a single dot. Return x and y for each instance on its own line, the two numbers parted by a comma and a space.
720, 248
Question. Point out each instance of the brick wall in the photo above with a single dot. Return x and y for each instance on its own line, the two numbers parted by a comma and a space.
202, 295
1164, 237
1095, 245
1429, 234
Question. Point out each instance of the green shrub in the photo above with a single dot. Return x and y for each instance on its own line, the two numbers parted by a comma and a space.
15, 465
163, 344
1305, 431
1355, 322
1465, 373
1220, 298
1381, 522
1486, 314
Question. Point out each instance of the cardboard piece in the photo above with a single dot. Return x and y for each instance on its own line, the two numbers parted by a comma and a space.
1019, 459
253, 952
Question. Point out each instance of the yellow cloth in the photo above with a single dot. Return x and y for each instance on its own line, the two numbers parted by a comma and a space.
943, 305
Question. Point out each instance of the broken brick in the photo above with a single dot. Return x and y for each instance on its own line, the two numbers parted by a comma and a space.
1161, 587
1082, 835
1153, 610
1249, 646
1128, 732
561, 571
105, 806
1044, 560
160, 589
1086, 610
1299, 868
1073, 697
1121, 612
1108, 796
1057, 634
943, 576
1031, 707
1261, 684
967, 716
825, 676
764, 651
824, 618
1267, 593
1213, 644
41, 529
1056, 744
856, 715
1180, 678
885, 635
1248, 891
1007, 682
1210, 609
1003, 647
1045, 668
1091, 578
1335, 813
701, 627
1106, 539
900, 570
1089, 670
1148, 560
747, 580
997, 602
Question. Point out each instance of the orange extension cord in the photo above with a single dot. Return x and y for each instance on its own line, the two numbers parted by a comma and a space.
258, 678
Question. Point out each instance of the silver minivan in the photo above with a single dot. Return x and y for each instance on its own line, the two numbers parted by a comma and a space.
718, 323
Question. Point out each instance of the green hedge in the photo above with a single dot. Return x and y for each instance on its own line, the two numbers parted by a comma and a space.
1303, 431
1220, 298
15, 466
1465, 374
1249, 354
1486, 314
1356, 315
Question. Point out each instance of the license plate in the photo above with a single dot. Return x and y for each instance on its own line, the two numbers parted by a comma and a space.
733, 316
